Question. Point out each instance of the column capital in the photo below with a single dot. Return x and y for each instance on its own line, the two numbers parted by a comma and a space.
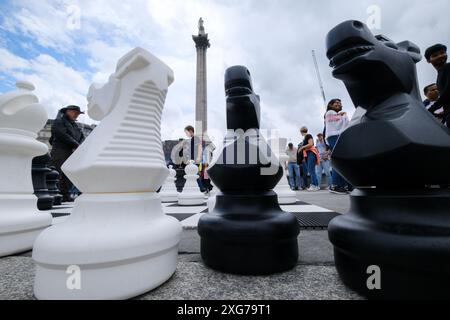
201, 41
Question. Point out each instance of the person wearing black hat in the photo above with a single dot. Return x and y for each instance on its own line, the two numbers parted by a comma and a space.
437, 56
65, 139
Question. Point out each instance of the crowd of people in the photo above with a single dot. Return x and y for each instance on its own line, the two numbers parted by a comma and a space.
308, 162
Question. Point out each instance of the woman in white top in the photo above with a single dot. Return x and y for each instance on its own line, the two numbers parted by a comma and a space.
336, 121
294, 169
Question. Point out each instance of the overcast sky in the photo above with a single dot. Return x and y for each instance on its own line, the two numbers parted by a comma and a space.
64, 46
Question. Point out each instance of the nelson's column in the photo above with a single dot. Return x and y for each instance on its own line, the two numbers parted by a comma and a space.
201, 110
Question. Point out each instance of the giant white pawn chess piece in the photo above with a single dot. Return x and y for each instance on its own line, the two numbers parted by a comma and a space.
117, 243
283, 190
21, 117
191, 195
169, 191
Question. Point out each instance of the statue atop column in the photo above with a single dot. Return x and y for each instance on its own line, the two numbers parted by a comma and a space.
201, 27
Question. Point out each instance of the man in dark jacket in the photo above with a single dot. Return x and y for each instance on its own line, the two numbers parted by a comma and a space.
66, 137
437, 56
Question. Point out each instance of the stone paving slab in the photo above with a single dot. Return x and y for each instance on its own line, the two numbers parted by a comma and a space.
314, 246
194, 281
314, 278
17, 276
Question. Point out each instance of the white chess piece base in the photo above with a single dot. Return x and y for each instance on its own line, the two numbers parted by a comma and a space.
20, 223
169, 197
283, 190
287, 198
20, 220
285, 194
118, 258
211, 203
191, 199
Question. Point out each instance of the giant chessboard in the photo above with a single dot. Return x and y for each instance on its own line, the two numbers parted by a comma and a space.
309, 216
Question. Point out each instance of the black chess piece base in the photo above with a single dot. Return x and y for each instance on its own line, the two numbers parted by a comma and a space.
236, 240
52, 178
57, 200
39, 173
405, 234
45, 200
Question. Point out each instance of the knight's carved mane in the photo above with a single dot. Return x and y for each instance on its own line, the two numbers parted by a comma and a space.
137, 138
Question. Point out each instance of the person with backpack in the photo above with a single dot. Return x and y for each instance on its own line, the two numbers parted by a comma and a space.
311, 158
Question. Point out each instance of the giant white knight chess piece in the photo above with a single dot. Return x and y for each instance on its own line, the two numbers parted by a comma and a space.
21, 117
117, 241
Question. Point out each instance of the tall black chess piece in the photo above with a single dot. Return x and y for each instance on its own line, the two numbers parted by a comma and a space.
39, 171
396, 146
180, 180
52, 179
247, 233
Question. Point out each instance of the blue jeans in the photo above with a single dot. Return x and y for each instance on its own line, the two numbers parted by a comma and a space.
325, 166
338, 180
305, 175
294, 169
200, 182
311, 163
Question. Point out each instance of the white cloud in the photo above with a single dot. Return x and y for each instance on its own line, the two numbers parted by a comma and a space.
273, 39
44, 22
9, 61
57, 85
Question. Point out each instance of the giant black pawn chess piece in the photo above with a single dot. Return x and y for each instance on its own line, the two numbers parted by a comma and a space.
52, 185
396, 146
39, 171
247, 232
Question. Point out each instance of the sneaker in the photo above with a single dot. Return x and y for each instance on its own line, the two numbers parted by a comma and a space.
313, 189
337, 190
